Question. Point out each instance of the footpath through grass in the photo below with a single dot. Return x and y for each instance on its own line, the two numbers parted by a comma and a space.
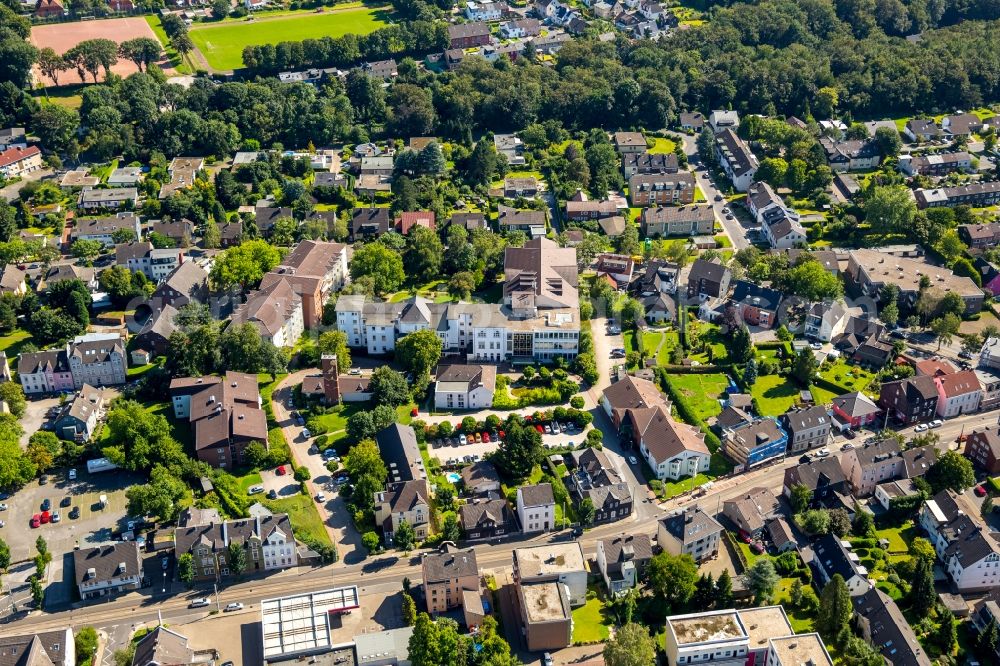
222, 44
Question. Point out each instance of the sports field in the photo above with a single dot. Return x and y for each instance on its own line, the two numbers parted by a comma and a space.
63, 36
222, 43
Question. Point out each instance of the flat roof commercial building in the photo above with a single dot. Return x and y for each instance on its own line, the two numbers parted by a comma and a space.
299, 625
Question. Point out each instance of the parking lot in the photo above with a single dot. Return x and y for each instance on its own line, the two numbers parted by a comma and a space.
94, 525
450, 448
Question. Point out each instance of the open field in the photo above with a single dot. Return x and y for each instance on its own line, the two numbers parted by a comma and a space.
222, 43
64, 36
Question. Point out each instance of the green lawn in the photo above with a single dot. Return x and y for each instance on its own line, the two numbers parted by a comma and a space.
651, 340
900, 538
589, 623
851, 377
222, 44
11, 344
662, 145
702, 391
775, 394
251, 479
303, 515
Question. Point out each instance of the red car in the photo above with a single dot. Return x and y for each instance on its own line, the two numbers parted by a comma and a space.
486, 437
979, 490
540, 429
281, 471
501, 434
413, 412
45, 517
36, 520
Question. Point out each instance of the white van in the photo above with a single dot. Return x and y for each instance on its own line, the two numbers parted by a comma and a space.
200, 602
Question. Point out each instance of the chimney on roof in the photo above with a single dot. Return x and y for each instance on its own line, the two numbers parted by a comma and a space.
331, 379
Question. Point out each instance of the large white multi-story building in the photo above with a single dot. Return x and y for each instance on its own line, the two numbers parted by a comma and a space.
966, 547
539, 318
97, 359
738, 637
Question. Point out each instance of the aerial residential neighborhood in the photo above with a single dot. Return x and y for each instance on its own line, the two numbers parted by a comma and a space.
487, 333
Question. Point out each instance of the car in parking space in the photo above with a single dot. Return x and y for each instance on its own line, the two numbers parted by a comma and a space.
632, 460
3, 507
306, 434
847, 447
936, 423
540, 429
55, 518
72, 475
718, 197
320, 497
546, 659
235, 606
816, 345
486, 437
920, 427
979, 490
823, 453
46, 504
36, 520
45, 517
200, 602
462, 440
272, 494
281, 471
253, 490
354, 371
74, 513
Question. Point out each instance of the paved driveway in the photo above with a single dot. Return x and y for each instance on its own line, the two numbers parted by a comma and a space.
733, 229
35, 414
333, 512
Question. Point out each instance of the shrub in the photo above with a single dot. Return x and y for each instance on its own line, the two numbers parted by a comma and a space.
302, 474
576, 402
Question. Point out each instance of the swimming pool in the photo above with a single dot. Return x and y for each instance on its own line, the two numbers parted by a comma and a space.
453, 477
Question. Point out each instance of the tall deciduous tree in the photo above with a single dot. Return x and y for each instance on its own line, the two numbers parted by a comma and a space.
672, 579
951, 470
761, 579
631, 646
383, 266
419, 351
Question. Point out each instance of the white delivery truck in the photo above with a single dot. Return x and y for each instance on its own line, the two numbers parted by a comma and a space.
100, 465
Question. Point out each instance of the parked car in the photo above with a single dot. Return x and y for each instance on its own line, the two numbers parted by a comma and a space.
65, 501
164, 563
235, 606
200, 602
320, 497
253, 490
980, 491
632, 460
3, 507
486, 437
46, 504
272, 494
849, 434
540, 429
305, 433
74, 513
36, 520
920, 427
44, 517
72, 475
847, 447
823, 453
462, 440
555, 428
281, 471
936, 423
55, 518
